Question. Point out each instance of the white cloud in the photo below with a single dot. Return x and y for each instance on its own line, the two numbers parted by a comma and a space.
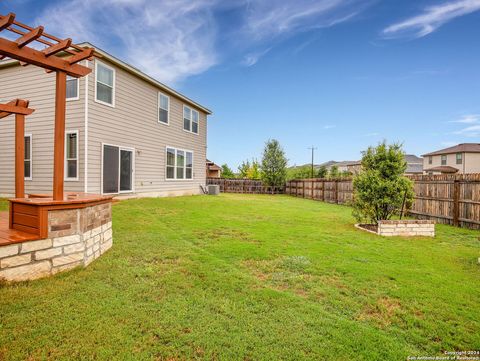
170, 40
468, 119
471, 131
253, 58
174, 39
329, 126
432, 18
267, 19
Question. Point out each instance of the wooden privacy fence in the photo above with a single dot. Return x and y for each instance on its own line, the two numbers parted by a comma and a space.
450, 199
244, 186
338, 191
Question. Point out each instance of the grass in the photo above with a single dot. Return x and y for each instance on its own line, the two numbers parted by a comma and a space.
240, 277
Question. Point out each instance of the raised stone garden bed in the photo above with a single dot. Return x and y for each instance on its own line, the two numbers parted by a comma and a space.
406, 228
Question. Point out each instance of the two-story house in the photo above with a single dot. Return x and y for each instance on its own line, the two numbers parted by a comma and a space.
462, 158
126, 133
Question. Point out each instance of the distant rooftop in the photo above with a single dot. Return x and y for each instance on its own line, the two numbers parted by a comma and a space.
460, 148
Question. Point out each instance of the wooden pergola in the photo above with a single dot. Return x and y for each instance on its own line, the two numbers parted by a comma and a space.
59, 56
20, 109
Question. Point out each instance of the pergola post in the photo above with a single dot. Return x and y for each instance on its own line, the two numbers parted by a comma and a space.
19, 155
59, 138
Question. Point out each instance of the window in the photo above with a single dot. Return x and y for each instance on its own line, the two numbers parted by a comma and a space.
179, 164
163, 108
72, 88
444, 160
190, 119
459, 158
27, 163
71, 155
105, 84
430, 160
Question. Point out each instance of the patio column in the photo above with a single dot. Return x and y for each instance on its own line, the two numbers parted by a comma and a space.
19, 156
59, 138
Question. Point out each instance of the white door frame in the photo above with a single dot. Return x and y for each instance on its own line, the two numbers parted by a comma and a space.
120, 148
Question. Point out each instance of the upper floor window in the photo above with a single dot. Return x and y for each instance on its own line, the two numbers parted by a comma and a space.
71, 155
444, 159
459, 158
105, 84
430, 160
72, 88
179, 164
27, 162
163, 108
190, 119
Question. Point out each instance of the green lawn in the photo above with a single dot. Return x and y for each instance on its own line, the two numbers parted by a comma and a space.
240, 277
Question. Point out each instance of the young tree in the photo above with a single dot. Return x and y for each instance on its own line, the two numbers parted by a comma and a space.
380, 189
334, 172
322, 172
227, 172
243, 169
254, 170
274, 164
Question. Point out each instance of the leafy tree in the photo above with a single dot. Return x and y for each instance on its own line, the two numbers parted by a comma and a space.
254, 170
334, 172
380, 189
322, 172
299, 172
274, 164
227, 172
243, 169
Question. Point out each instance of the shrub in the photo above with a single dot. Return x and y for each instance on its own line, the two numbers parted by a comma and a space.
380, 189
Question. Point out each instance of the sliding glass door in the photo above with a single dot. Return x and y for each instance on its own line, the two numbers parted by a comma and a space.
117, 169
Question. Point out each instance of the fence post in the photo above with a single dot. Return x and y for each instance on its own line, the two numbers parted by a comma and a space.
456, 202
323, 191
303, 182
336, 191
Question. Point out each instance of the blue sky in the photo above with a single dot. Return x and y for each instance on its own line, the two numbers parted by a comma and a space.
336, 74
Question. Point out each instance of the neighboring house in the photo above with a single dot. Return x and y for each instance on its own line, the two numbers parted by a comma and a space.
213, 170
414, 164
126, 133
462, 158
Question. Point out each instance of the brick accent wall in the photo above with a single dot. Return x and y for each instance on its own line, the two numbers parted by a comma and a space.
76, 237
407, 228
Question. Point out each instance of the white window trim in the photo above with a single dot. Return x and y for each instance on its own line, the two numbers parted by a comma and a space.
29, 135
78, 91
96, 81
158, 109
133, 169
72, 179
191, 119
175, 179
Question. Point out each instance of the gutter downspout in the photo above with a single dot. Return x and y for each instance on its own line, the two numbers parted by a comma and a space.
85, 176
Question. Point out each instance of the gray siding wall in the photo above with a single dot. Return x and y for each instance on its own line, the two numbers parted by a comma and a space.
32, 83
131, 123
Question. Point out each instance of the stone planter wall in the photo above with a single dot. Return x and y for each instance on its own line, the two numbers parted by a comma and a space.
76, 237
408, 227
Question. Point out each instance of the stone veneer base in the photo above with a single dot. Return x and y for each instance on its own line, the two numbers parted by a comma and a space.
405, 228
76, 237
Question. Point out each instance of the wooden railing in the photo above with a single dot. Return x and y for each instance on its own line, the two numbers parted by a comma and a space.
244, 186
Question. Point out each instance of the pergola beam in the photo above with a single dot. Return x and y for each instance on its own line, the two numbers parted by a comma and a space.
36, 57
29, 37
55, 48
15, 107
6, 21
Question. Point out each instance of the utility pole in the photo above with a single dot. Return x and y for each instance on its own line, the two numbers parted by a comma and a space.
312, 148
